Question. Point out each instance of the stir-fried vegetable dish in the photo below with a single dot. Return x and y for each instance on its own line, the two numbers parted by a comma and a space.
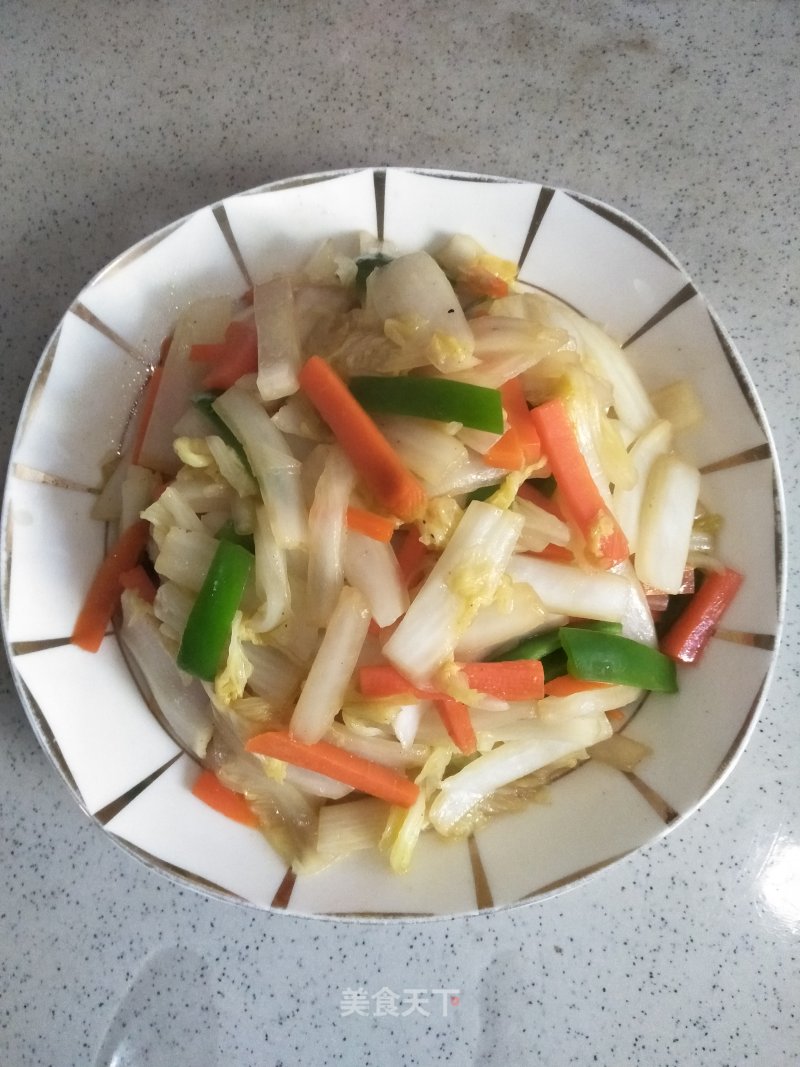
399, 540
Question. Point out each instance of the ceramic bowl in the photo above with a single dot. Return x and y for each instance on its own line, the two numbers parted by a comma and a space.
88, 711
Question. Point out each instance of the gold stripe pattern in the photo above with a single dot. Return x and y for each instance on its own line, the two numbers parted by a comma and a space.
379, 182
82, 312
663, 810
546, 194
222, 220
752, 640
750, 455
483, 894
284, 891
680, 298
31, 474
575, 876
107, 813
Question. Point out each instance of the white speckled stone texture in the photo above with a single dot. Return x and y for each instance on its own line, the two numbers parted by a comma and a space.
116, 120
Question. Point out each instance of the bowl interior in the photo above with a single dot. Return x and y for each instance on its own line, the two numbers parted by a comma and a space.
92, 717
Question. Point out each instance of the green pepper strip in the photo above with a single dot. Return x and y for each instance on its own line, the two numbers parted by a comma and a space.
203, 402
209, 626
603, 657
536, 647
540, 646
432, 398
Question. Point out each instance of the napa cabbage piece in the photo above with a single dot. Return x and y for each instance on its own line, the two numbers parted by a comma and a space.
204, 322
665, 525
598, 350
279, 354
350, 827
417, 304
462, 792
230, 682
182, 702
287, 816
404, 825
464, 579
272, 462
322, 695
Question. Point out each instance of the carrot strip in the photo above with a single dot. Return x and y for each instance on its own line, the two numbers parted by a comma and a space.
559, 553
371, 525
237, 333
693, 629
148, 402
565, 685
337, 763
481, 282
104, 593
380, 467
208, 353
140, 582
605, 542
211, 791
456, 720
521, 679
519, 418
411, 557
507, 453
238, 356
380, 680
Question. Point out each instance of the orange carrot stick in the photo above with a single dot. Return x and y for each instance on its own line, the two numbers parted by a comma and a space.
458, 724
148, 402
104, 593
559, 553
140, 582
507, 453
211, 791
411, 557
371, 525
381, 680
519, 418
695, 626
481, 282
380, 467
338, 763
580, 497
565, 685
238, 356
521, 679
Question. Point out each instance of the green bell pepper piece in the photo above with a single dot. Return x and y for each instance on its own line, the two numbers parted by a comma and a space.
548, 643
432, 398
596, 656
208, 628
536, 647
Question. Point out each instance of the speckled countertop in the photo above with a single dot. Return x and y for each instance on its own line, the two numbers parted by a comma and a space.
118, 118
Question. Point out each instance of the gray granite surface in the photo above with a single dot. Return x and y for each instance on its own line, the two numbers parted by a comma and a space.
117, 118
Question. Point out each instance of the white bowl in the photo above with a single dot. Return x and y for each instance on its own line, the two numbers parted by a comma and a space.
87, 710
